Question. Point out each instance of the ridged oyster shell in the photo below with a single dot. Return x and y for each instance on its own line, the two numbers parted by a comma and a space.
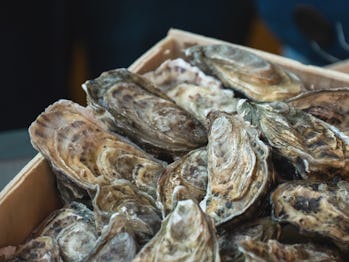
246, 72
239, 170
130, 106
315, 207
187, 234
191, 89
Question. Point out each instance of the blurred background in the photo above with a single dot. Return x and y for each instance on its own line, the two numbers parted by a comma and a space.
49, 48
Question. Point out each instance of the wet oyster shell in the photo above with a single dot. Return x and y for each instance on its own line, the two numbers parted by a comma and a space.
316, 149
187, 234
191, 89
273, 251
185, 178
246, 72
330, 105
239, 170
123, 100
315, 207
83, 154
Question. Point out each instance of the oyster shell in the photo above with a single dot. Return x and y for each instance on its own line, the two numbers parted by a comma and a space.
315, 207
331, 105
191, 89
83, 154
185, 178
38, 249
316, 149
124, 101
246, 72
187, 234
239, 170
273, 251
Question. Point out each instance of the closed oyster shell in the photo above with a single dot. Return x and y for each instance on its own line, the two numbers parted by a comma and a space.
187, 234
126, 101
273, 251
316, 149
191, 89
330, 105
185, 178
239, 170
83, 154
246, 72
315, 207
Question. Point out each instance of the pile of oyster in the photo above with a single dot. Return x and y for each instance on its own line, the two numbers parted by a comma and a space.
215, 156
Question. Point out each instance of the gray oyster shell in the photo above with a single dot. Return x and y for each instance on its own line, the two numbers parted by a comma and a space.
330, 105
246, 72
273, 251
126, 101
83, 154
185, 178
186, 234
239, 170
315, 207
191, 89
316, 149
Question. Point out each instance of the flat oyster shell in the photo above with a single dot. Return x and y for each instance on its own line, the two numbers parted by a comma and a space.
191, 89
273, 251
82, 153
185, 178
246, 72
239, 170
39, 249
187, 234
316, 149
330, 105
315, 207
127, 102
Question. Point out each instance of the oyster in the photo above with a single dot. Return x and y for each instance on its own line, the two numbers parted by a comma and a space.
38, 249
246, 72
315, 207
83, 154
330, 105
273, 251
261, 229
187, 234
185, 178
126, 101
239, 170
316, 149
191, 89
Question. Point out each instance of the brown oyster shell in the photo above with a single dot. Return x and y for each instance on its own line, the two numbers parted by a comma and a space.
191, 89
316, 149
315, 207
246, 72
330, 105
125, 103
83, 154
185, 178
239, 170
187, 234
273, 251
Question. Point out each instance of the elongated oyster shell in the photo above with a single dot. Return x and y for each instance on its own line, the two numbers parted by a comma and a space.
82, 153
187, 234
191, 89
315, 148
239, 171
246, 72
330, 105
185, 178
129, 105
273, 251
315, 207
